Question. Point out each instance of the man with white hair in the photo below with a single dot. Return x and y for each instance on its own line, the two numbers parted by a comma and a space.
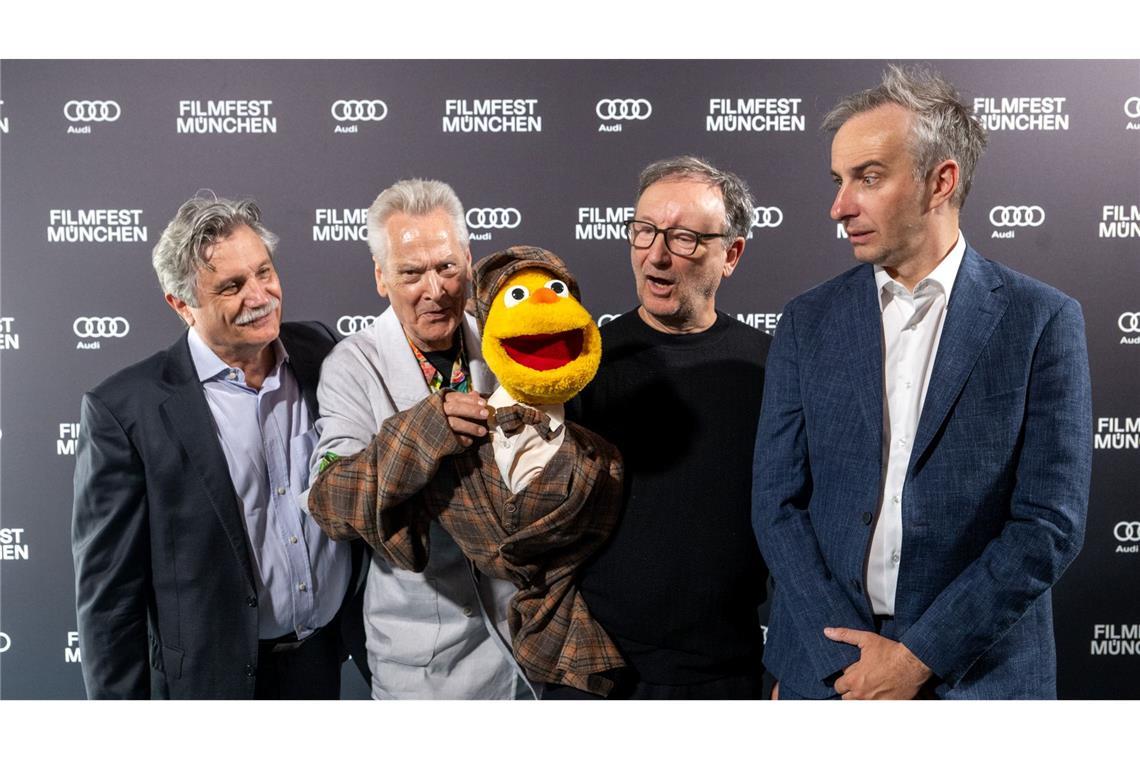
440, 634
198, 573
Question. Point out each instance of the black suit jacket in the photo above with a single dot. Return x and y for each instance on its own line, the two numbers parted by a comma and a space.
165, 589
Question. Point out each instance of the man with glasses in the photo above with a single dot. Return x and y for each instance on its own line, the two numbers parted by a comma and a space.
678, 392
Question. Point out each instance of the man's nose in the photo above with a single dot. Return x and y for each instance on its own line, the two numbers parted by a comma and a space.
843, 206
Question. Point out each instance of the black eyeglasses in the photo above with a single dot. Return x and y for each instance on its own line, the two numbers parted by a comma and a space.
679, 241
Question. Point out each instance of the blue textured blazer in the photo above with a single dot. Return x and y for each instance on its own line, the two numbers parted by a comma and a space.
996, 489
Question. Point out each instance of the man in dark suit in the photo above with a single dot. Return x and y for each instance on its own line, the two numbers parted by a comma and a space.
923, 455
198, 575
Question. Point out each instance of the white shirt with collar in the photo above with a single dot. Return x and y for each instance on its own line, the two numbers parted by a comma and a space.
522, 456
912, 328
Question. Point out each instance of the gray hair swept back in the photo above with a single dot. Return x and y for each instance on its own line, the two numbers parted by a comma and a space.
941, 127
199, 223
415, 197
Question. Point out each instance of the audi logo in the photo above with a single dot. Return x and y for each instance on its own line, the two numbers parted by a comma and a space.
359, 110
767, 216
1129, 321
1132, 108
493, 218
1127, 531
627, 108
92, 110
1017, 216
101, 327
347, 325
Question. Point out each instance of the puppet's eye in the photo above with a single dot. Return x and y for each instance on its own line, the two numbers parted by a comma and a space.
558, 287
516, 295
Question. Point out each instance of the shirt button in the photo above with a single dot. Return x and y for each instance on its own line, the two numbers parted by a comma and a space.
293, 539
302, 587
280, 490
895, 499
908, 384
894, 558
231, 376
867, 517
512, 508
468, 612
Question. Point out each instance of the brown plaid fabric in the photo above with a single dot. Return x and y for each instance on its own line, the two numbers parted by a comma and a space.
415, 470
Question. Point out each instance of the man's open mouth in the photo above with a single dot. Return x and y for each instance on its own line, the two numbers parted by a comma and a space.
545, 352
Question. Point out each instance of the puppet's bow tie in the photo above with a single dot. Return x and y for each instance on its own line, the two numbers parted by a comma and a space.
512, 419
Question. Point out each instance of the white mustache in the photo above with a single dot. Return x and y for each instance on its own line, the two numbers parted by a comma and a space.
255, 314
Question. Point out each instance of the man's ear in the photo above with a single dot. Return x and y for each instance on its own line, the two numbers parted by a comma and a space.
732, 256
943, 182
181, 308
381, 285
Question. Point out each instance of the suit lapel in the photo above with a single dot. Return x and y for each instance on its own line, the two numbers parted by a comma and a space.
305, 369
400, 370
191, 425
860, 345
976, 306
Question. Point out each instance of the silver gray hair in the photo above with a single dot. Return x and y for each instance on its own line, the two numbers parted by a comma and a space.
200, 222
738, 203
941, 127
415, 197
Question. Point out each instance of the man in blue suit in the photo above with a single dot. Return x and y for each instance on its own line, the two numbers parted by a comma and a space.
923, 454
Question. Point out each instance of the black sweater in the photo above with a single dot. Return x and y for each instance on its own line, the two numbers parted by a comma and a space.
678, 585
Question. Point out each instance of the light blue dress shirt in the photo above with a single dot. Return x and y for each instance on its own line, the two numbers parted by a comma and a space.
267, 436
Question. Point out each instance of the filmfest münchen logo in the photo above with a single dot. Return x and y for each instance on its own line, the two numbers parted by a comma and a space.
491, 115
340, 225
602, 222
9, 338
1117, 433
491, 219
12, 545
352, 113
1008, 219
1022, 114
96, 225
620, 110
347, 325
762, 320
754, 115
1114, 639
1119, 221
225, 117
1129, 324
68, 437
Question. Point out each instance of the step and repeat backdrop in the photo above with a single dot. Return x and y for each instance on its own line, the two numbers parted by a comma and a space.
95, 156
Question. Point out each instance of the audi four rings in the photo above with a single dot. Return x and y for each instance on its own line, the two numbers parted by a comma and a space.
100, 327
92, 110
359, 110
1017, 216
347, 325
1129, 321
493, 218
627, 108
767, 216
1127, 531
1132, 108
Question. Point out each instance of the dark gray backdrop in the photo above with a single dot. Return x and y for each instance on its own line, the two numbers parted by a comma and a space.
1056, 196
